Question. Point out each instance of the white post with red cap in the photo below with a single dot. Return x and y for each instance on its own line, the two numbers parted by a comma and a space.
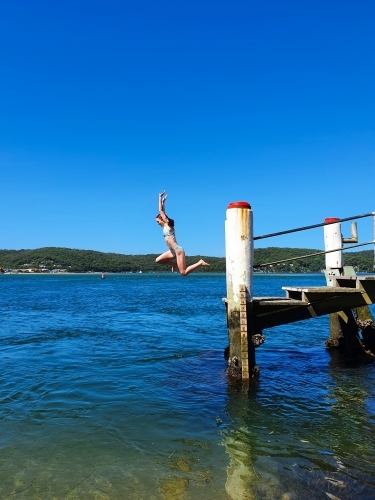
239, 248
343, 324
334, 263
333, 241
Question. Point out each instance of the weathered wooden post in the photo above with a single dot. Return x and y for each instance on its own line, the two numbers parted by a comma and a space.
239, 249
343, 324
340, 322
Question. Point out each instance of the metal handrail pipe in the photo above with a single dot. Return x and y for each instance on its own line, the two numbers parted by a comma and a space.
371, 214
312, 255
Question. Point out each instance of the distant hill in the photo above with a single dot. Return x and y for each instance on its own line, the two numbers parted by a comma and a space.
89, 260
74, 260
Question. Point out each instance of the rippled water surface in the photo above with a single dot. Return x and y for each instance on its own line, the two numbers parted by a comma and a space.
117, 389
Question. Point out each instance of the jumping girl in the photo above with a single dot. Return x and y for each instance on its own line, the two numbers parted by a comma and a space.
176, 254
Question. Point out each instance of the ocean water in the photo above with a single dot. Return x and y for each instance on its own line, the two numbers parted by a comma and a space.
117, 389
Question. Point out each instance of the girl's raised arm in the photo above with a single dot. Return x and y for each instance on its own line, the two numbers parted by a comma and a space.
162, 198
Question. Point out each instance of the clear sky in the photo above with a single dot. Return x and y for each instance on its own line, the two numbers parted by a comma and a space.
105, 103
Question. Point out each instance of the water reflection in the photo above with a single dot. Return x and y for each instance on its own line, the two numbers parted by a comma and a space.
312, 443
241, 475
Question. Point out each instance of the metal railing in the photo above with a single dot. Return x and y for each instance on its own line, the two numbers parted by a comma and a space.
370, 214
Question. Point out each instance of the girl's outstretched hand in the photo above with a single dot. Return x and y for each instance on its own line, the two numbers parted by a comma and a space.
162, 196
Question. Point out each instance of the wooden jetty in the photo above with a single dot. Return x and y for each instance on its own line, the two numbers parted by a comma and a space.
345, 298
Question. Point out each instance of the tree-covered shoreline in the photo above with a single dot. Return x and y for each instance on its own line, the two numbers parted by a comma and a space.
76, 261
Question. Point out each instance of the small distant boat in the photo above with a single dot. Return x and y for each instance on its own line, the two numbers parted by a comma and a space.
140, 271
103, 276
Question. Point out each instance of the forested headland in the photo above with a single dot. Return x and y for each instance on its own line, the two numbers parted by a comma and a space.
73, 260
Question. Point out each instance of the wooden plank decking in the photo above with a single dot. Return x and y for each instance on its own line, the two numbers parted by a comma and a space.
309, 302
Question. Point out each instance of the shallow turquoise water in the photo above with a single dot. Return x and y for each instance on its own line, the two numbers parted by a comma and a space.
117, 389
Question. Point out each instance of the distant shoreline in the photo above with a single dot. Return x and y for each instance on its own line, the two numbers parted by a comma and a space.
270, 259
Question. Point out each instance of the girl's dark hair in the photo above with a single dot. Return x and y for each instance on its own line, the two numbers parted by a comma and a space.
170, 221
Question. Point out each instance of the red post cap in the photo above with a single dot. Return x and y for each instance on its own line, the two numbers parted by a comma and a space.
329, 220
239, 204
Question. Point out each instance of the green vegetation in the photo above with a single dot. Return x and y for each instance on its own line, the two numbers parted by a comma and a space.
88, 260
362, 261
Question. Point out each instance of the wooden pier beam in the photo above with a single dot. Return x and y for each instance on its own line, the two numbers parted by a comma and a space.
239, 250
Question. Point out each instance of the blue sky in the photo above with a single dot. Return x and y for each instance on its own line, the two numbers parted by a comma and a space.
105, 103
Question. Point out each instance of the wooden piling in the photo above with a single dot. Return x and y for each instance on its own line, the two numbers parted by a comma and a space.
239, 276
344, 329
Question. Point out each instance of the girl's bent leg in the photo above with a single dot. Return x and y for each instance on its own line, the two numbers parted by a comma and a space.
181, 264
191, 268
